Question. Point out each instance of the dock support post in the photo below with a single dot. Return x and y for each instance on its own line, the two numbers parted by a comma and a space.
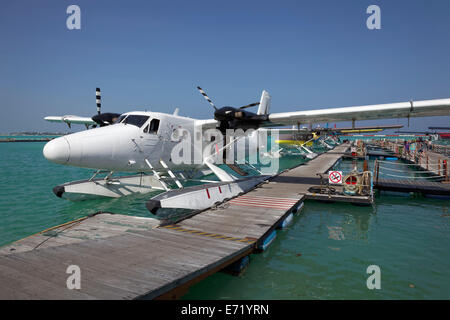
238, 267
377, 168
267, 241
445, 170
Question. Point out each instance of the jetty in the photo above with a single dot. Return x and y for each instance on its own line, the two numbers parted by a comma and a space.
414, 186
126, 257
434, 164
430, 161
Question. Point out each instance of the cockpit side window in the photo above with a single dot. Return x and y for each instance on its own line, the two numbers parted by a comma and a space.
136, 120
152, 127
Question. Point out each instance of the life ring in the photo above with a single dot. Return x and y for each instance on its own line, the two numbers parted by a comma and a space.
351, 183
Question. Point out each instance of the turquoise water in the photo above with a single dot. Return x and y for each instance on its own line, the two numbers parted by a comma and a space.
322, 255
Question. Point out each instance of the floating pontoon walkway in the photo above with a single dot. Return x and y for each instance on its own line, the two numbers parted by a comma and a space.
124, 257
415, 186
435, 163
429, 162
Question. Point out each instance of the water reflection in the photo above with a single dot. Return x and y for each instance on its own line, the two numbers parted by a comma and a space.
342, 221
129, 205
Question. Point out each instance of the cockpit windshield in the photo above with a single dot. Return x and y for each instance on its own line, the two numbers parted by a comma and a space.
120, 118
136, 120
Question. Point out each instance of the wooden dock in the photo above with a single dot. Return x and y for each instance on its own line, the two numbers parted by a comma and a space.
370, 154
355, 199
435, 163
124, 257
427, 161
120, 257
416, 186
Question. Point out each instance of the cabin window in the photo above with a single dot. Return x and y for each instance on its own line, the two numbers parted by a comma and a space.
136, 120
152, 126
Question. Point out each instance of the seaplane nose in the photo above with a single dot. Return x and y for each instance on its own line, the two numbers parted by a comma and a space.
57, 150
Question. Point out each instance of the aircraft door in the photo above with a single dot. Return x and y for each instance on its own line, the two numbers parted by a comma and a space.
150, 137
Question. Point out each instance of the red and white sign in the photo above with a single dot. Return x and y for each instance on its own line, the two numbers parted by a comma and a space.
335, 177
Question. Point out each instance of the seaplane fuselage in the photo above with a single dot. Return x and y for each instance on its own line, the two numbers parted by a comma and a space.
124, 146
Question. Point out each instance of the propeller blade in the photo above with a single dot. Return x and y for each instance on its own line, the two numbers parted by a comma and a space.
250, 105
206, 97
98, 99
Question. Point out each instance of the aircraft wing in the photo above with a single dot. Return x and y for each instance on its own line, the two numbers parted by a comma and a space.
426, 108
335, 130
365, 129
207, 124
71, 119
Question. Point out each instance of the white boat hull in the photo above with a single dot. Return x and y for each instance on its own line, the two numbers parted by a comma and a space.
112, 188
203, 196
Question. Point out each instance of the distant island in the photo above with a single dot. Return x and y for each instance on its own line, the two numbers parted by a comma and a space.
32, 136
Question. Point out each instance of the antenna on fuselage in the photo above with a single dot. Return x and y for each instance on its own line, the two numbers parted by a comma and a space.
98, 100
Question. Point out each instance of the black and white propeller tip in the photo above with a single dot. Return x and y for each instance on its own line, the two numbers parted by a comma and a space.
206, 97
98, 99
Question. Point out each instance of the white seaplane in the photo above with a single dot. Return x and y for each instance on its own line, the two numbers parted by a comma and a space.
144, 143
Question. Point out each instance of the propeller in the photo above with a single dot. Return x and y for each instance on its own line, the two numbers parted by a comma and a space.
103, 119
250, 105
235, 118
206, 97
214, 106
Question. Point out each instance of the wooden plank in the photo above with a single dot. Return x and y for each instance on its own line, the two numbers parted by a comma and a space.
96, 260
427, 187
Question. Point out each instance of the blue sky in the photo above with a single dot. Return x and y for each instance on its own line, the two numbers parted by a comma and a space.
152, 54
